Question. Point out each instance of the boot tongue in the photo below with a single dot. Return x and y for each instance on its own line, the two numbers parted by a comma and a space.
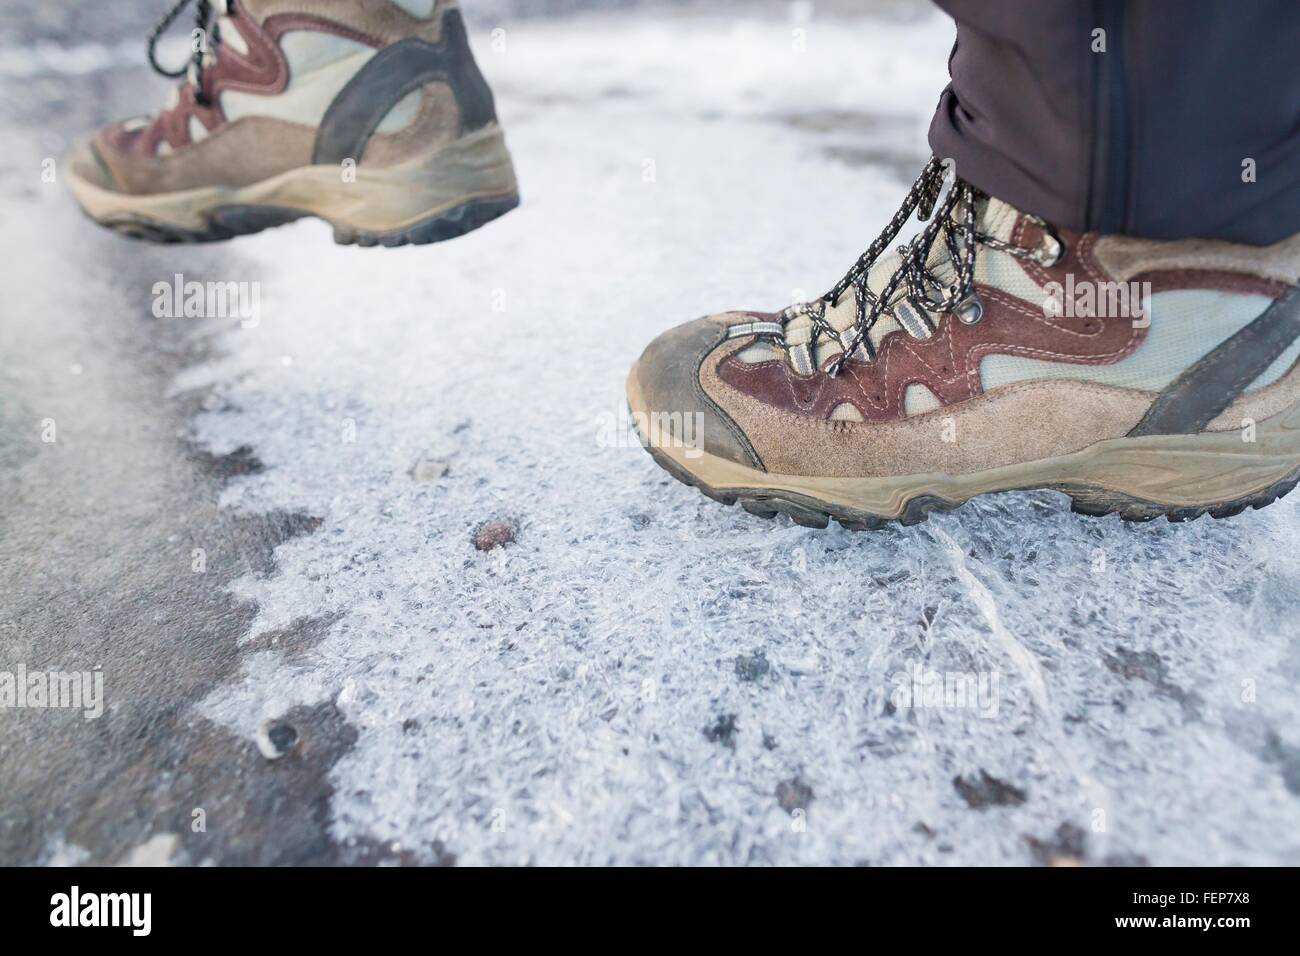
993, 217
999, 219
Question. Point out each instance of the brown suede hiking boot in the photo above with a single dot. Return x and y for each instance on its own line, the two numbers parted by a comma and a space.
369, 114
1140, 377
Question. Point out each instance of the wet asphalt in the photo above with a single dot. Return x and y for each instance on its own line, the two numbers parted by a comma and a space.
104, 504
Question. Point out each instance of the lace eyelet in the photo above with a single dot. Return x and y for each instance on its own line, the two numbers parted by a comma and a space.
970, 311
1049, 252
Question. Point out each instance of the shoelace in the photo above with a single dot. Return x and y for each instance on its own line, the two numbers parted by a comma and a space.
925, 291
205, 22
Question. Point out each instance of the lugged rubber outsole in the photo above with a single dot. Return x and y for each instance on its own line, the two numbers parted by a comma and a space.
1093, 502
1178, 477
228, 222
447, 192
465, 218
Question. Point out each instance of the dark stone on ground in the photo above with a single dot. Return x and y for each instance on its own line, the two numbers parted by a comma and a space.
493, 534
793, 795
987, 791
723, 731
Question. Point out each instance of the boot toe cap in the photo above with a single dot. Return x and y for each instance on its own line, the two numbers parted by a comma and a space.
665, 387
85, 162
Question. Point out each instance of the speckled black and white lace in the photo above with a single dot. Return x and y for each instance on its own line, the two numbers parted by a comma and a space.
914, 290
207, 39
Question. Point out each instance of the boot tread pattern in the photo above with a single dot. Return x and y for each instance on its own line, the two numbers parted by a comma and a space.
227, 222
1093, 502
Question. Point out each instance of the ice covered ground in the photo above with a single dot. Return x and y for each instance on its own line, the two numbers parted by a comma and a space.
645, 676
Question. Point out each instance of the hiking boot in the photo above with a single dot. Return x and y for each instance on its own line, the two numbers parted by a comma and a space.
993, 352
370, 115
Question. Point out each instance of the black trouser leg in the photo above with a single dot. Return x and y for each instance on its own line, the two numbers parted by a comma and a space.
1180, 119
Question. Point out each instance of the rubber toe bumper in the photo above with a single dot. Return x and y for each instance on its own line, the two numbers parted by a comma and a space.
668, 374
85, 162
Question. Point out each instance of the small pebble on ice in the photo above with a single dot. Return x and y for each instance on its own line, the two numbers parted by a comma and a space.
429, 470
793, 795
493, 534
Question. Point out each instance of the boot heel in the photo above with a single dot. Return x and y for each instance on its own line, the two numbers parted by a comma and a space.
430, 198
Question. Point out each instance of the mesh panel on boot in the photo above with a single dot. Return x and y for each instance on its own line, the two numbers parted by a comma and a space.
1185, 325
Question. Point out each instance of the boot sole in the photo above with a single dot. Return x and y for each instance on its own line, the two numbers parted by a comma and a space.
1178, 477
445, 194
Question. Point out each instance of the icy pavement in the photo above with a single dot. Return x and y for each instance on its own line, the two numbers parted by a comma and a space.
643, 675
